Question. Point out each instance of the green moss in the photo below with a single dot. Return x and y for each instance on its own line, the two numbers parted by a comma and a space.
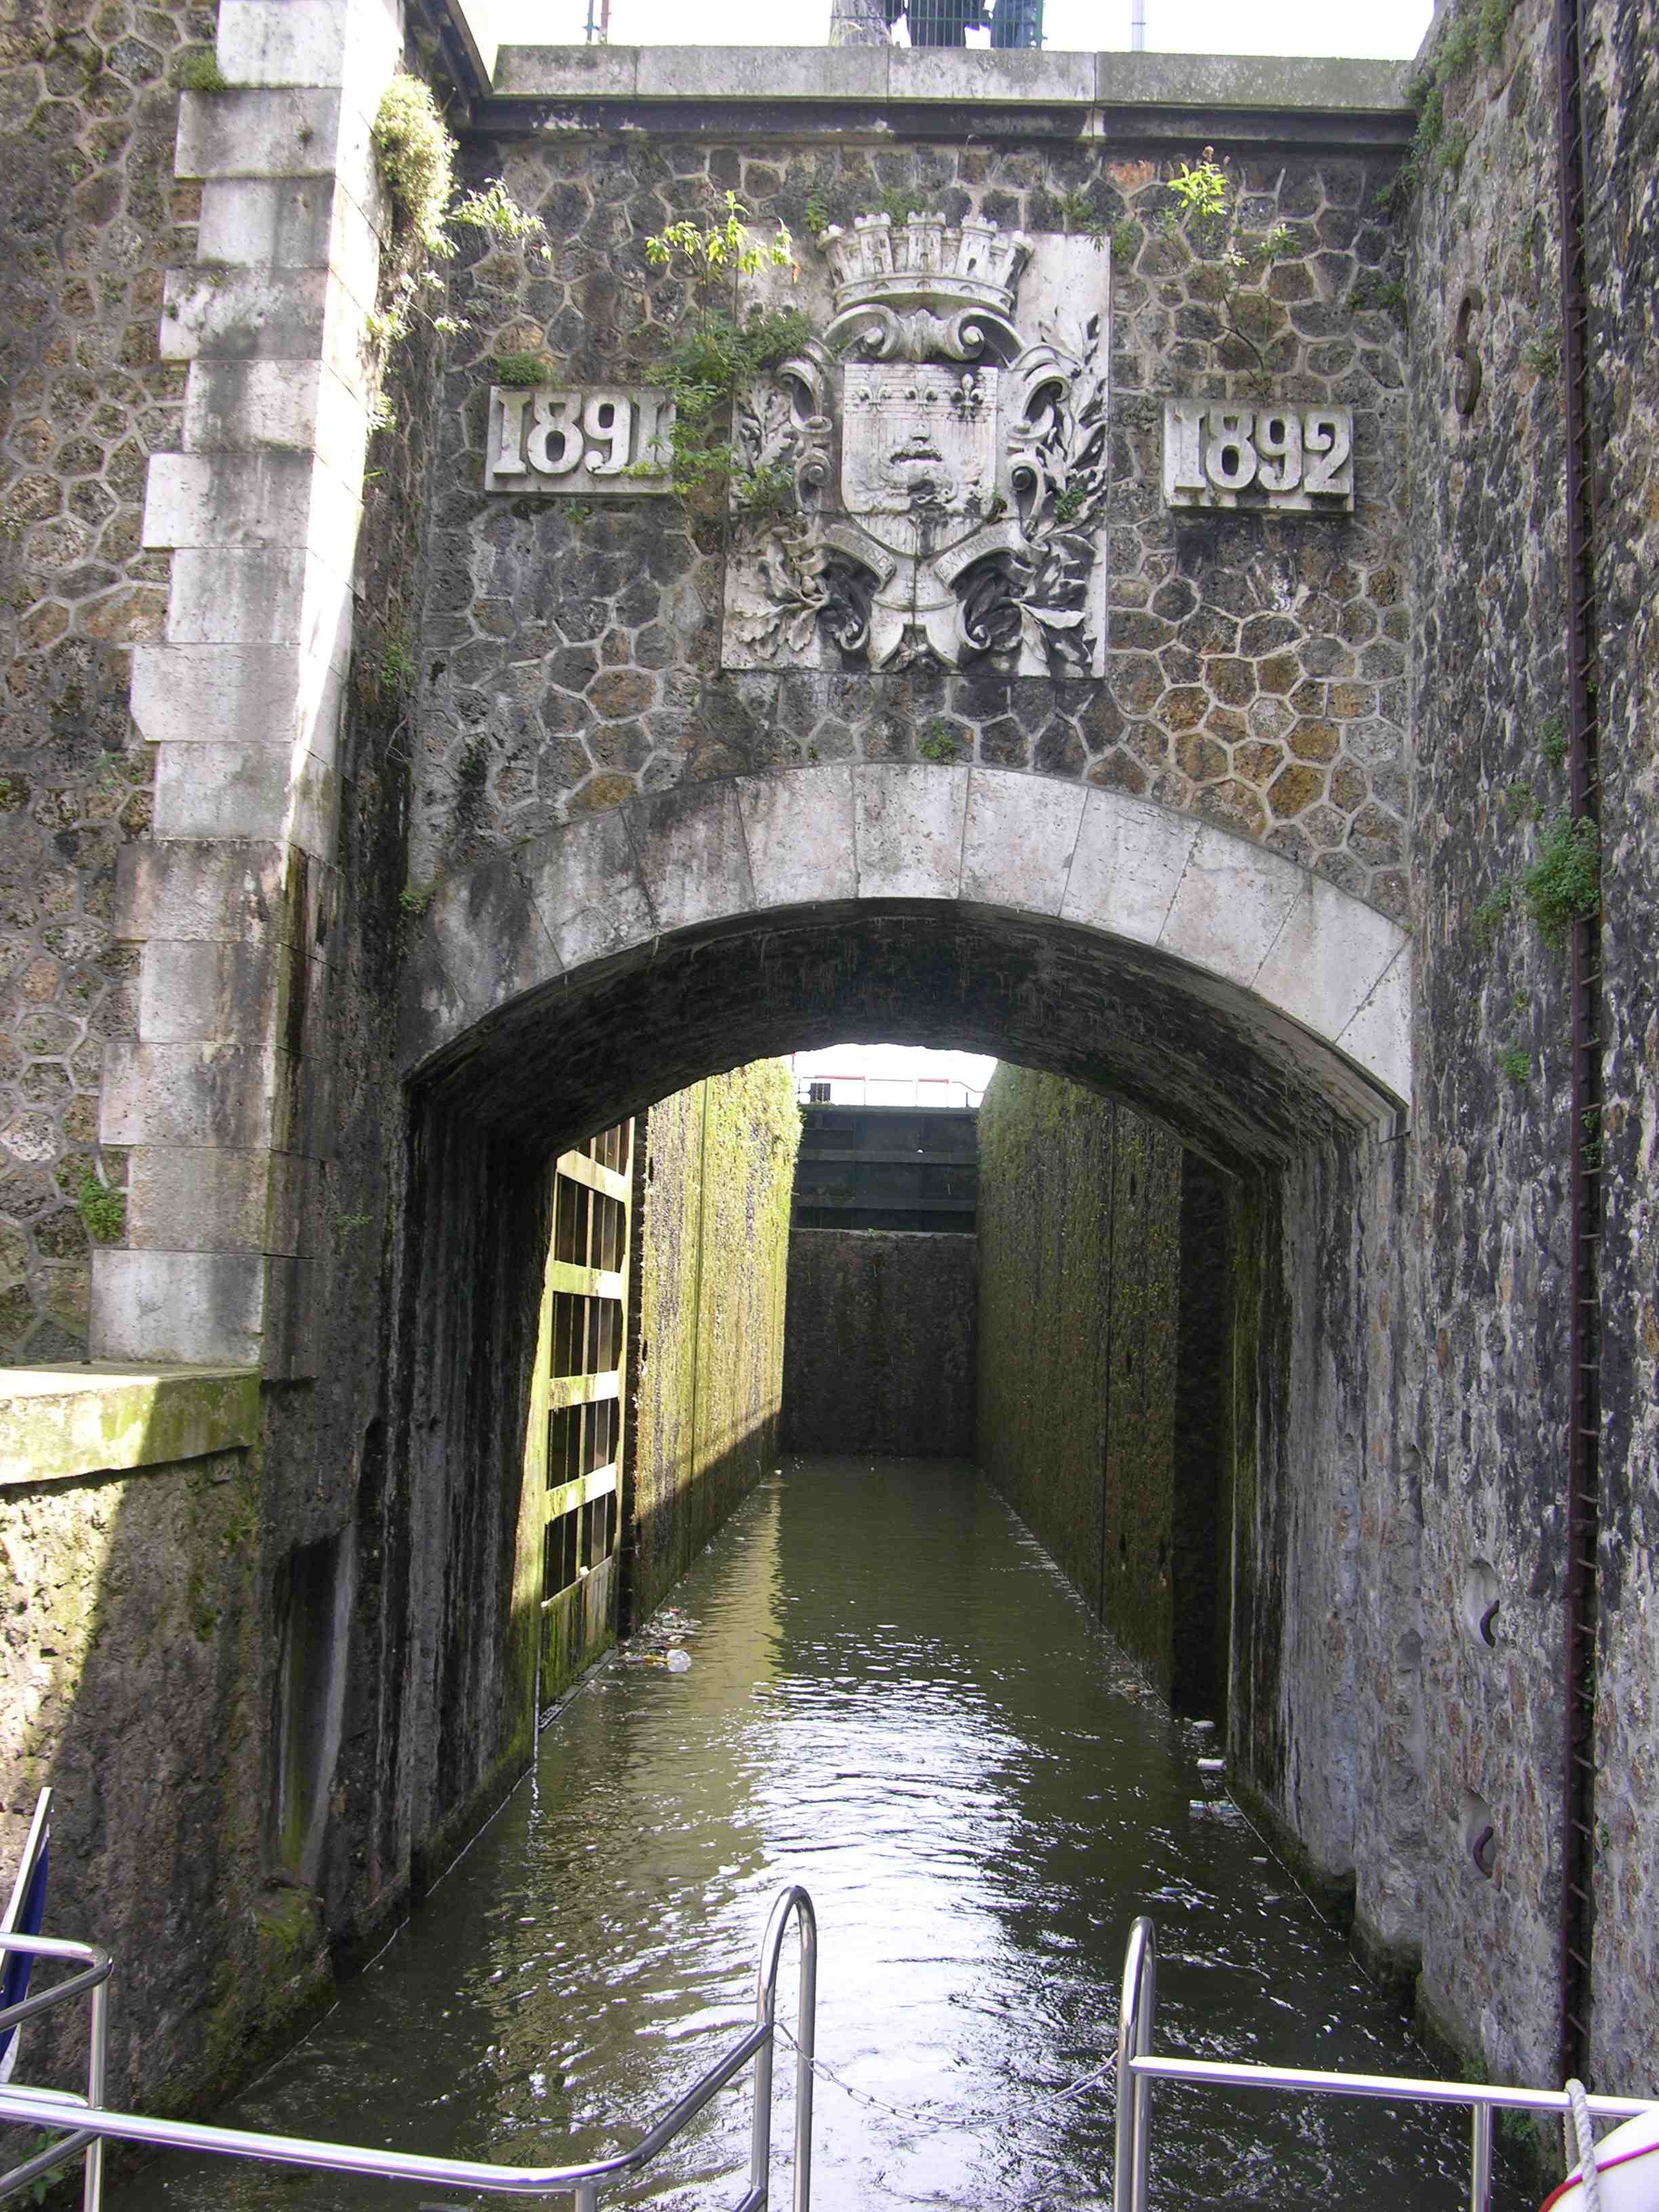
1520, 799
1390, 293
1460, 46
199, 70
1489, 917
1515, 1061
1454, 143
522, 370
1494, 23
1564, 883
103, 1209
940, 743
1552, 740
1080, 218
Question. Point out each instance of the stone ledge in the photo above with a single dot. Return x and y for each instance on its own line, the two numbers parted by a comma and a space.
57, 1423
1106, 94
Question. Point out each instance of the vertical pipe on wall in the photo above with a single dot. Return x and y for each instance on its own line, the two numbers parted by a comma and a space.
1111, 1350
1584, 1503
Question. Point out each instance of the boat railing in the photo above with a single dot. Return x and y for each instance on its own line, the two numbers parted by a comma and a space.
1138, 2066
84, 2124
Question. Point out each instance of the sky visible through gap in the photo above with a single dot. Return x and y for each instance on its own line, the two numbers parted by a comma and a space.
1385, 30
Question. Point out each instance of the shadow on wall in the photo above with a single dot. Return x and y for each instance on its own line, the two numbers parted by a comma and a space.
670, 1531
1105, 1288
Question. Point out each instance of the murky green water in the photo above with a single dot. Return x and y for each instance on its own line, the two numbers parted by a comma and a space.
894, 1699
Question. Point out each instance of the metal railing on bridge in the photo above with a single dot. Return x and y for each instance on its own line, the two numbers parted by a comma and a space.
82, 2124
1138, 2068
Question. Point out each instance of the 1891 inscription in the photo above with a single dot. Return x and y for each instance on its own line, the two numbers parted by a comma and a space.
607, 439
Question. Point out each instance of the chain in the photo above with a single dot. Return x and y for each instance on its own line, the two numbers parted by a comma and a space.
929, 2115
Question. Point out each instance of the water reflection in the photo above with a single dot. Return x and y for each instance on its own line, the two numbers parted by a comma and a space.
895, 1699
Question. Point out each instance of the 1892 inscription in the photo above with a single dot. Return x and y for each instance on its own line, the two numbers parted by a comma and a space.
1297, 460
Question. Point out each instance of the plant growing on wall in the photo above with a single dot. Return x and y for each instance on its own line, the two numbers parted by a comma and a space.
103, 1209
718, 352
1439, 147
1564, 883
415, 157
1234, 259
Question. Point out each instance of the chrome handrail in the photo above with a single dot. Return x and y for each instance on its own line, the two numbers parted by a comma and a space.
44, 2109
1138, 2068
97, 1966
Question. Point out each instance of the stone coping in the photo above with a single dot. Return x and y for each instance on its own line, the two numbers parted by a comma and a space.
1370, 94
57, 1423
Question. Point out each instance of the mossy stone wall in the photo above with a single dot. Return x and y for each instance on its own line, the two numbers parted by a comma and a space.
134, 1682
880, 1353
715, 1177
1081, 1402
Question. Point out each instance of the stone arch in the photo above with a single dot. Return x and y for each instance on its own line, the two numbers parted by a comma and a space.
1261, 1012
1205, 977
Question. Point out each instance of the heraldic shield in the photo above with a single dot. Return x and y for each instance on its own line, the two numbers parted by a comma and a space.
943, 477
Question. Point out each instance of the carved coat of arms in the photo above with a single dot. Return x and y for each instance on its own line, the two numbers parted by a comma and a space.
934, 474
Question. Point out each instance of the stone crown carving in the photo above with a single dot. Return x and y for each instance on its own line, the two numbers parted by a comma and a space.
951, 265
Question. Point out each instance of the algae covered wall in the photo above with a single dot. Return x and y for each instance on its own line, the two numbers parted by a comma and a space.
880, 1348
714, 1173
136, 1680
1081, 1293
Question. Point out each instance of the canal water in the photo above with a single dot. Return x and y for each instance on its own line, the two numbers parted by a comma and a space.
892, 1698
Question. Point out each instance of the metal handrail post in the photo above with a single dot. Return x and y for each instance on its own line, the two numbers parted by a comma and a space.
97, 2065
760, 2125
792, 1903
806, 2044
1480, 2158
586, 2197
1134, 2040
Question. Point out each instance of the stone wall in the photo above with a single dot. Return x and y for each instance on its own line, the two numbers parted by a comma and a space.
92, 218
715, 1171
1494, 1084
880, 1351
1257, 671
1080, 1332
1622, 106
136, 1682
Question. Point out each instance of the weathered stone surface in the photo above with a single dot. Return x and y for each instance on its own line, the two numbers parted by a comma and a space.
1211, 903
57, 1423
147, 1702
1080, 1333
880, 1351
643, 592
536, 683
714, 1185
